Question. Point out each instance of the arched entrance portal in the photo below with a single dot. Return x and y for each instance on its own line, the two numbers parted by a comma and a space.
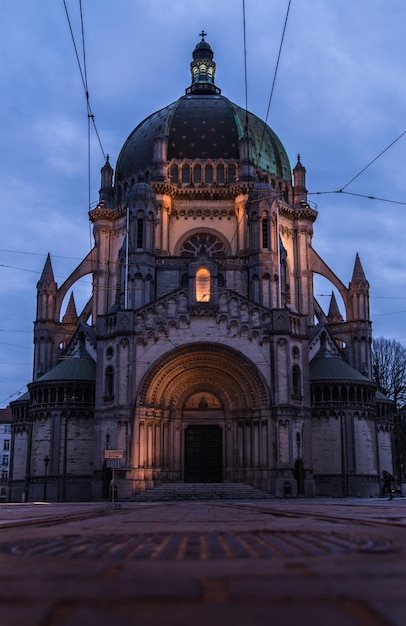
203, 415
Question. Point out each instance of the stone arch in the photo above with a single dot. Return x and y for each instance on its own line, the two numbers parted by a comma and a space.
232, 376
236, 418
197, 231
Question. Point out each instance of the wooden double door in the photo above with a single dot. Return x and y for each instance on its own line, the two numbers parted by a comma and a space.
203, 454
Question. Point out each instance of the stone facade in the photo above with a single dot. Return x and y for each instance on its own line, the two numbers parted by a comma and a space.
202, 327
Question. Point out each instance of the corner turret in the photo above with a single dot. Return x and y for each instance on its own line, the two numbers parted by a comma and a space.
46, 349
106, 193
46, 292
299, 183
359, 292
137, 254
334, 316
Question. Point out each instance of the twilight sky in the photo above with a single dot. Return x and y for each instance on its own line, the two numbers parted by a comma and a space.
339, 100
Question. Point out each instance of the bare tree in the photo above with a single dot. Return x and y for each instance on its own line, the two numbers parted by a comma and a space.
389, 369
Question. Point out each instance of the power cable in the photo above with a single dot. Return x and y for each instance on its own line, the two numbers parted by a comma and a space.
373, 161
350, 193
83, 75
274, 80
54, 256
246, 103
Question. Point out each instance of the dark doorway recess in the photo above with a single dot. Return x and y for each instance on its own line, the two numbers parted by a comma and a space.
299, 476
203, 454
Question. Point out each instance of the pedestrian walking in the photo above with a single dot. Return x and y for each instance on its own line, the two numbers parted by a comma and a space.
387, 482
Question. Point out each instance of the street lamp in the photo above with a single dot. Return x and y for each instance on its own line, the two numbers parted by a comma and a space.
46, 461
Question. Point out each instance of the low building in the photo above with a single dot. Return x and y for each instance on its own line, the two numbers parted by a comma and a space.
5, 451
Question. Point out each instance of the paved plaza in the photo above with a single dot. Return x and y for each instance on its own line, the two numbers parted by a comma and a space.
256, 562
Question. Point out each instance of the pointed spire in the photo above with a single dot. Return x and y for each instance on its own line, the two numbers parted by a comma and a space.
47, 275
299, 183
299, 165
359, 293
71, 315
46, 293
334, 314
358, 275
106, 173
106, 191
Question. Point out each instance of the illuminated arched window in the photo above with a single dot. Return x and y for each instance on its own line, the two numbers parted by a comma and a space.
203, 285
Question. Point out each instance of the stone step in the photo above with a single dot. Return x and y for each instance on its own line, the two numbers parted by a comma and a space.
201, 491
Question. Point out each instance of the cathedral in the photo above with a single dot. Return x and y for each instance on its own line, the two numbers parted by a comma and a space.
202, 355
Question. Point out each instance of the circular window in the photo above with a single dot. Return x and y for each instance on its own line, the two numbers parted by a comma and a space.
203, 243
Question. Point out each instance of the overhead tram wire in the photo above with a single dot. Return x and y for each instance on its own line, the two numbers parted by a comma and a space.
361, 195
246, 98
273, 82
373, 161
274, 79
350, 193
83, 75
90, 114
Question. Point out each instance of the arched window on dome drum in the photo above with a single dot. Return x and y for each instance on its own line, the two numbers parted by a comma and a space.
208, 174
197, 174
203, 285
220, 173
109, 383
186, 174
174, 174
231, 174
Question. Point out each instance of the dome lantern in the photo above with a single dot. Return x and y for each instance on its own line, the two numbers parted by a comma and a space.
203, 69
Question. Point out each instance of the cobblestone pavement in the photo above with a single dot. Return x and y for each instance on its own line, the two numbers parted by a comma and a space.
261, 562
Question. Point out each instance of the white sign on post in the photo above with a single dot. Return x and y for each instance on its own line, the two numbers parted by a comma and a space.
114, 454
113, 461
